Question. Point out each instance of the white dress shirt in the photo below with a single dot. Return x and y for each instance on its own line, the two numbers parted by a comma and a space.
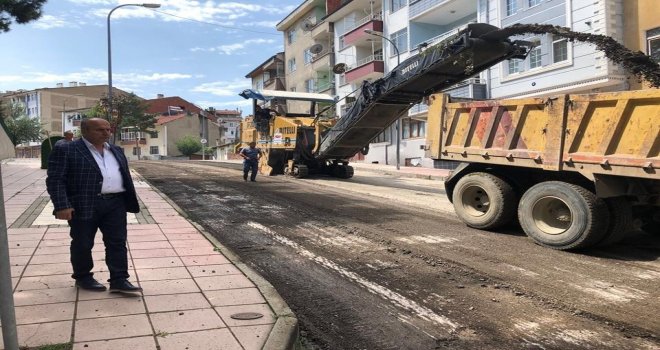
112, 181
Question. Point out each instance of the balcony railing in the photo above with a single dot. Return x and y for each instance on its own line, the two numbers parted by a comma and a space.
359, 23
368, 59
131, 135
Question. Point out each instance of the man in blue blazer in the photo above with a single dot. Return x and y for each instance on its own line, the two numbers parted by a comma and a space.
91, 187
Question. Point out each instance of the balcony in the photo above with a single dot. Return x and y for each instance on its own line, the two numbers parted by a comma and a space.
440, 12
322, 60
371, 67
275, 83
128, 138
357, 37
323, 31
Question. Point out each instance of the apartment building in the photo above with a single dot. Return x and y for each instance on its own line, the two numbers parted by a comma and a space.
556, 65
270, 74
359, 54
177, 118
57, 107
308, 48
642, 31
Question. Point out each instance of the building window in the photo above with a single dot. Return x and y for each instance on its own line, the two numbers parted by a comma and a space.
383, 136
413, 128
396, 5
532, 3
135, 151
400, 39
559, 50
511, 7
153, 150
154, 135
653, 44
292, 64
535, 56
310, 85
291, 36
514, 66
293, 89
308, 56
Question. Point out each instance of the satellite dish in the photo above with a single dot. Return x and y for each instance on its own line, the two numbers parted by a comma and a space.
316, 48
339, 68
307, 25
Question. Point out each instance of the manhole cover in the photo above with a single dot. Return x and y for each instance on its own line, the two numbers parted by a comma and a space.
247, 316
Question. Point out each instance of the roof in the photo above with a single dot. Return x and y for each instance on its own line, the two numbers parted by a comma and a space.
160, 105
167, 119
275, 57
266, 95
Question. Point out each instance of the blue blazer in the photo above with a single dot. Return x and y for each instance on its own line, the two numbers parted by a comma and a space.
74, 179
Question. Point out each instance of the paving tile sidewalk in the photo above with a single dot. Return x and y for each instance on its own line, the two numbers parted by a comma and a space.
192, 285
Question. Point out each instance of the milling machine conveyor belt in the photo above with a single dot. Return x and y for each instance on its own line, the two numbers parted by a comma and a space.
382, 102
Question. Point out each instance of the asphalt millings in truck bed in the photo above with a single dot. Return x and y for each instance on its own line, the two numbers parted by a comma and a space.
635, 62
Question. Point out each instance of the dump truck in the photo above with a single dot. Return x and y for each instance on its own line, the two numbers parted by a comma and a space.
301, 143
574, 170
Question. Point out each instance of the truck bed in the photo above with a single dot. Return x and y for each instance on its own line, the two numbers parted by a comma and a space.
605, 133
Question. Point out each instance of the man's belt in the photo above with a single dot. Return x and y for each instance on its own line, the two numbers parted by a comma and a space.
110, 195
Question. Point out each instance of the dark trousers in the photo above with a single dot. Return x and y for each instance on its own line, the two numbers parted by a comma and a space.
252, 165
110, 218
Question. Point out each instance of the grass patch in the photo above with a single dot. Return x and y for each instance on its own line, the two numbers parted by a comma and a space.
63, 346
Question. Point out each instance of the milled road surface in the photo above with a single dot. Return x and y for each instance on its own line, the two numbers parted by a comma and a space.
381, 263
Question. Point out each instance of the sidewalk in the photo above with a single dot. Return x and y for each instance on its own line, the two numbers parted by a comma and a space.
404, 171
197, 295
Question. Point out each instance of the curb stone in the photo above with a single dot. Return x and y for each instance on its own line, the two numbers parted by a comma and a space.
284, 333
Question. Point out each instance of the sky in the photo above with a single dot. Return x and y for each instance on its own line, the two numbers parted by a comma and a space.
198, 50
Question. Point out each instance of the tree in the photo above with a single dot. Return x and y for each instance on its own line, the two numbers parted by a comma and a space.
188, 145
19, 127
22, 11
129, 111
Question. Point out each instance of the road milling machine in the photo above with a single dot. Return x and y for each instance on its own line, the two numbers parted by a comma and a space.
299, 134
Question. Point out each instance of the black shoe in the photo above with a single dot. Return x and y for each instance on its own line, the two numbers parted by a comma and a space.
245, 179
90, 284
123, 286
253, 180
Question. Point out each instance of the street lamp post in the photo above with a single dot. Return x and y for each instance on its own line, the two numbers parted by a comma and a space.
398, 121
137, 142
109, 112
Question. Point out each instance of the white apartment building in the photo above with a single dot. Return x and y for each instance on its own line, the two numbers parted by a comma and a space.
556, 65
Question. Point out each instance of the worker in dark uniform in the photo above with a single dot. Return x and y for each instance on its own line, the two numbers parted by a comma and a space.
251, 157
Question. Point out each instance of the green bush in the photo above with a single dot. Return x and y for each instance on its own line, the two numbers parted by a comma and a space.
188, 145
46, 148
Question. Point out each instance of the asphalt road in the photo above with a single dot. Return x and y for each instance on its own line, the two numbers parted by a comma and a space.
376, 262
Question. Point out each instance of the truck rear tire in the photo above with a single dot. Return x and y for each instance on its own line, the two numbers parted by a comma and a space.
621, 220
563, 216
484, 201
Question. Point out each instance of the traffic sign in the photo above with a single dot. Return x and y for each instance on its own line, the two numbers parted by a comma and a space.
202, 140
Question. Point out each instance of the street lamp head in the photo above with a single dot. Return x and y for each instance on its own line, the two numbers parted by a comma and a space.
151, 6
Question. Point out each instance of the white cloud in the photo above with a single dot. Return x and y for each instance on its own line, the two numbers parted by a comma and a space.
237, 48
223, 88
182, 10
90, 76
49, 22
91, 2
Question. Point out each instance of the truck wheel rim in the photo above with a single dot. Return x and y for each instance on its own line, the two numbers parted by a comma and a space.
552, 215
476, 201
